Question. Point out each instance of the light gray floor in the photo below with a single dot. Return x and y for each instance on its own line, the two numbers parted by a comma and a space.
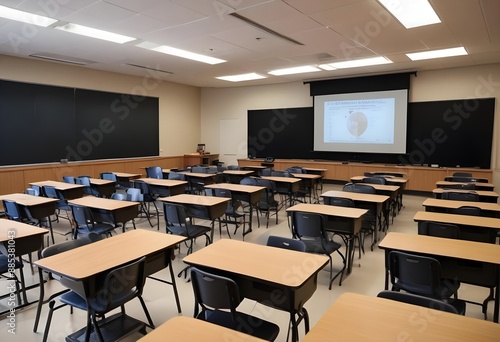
367, 278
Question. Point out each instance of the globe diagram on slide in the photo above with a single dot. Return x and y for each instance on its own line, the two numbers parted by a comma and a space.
357, 123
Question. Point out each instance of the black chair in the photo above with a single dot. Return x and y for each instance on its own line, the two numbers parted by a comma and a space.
180, 222
216, 301
233, 213
113, 293
414, 299
154, 172
6, 271
421, 275
148, 198
233, 167
466, 210
462, 174
267, 202
266, 172
463, 186
61, 204
439, 229
50, 251
370, 219
85, 223
310, 228
374, 180
460, 196
286, 243
112, 177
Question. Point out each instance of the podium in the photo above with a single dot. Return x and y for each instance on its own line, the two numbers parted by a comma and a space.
199, 159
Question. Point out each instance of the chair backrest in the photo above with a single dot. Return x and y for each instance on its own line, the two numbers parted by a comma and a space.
266, 172
286, 243
69, 244
460, 196
108, 176
214, 292
248, 181
11, 210
439, 229
339, 202
82, 216
308, 225
176, 176
359, 187
280, 173
119, 286
142, 186
119, 196
37, 189
134, 195
415, 273
296, 169
51, 192
69, 179
199, 169
414, 299
83, 180
30, 191
233, 167
176, 214
466, 210
154, 172
374, 180
462, 174
464, 186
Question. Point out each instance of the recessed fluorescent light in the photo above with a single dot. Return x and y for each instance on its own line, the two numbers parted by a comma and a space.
186, 54
242, 77
356, 63
294, 70
417, 56
25, 17
95, 33
412, 13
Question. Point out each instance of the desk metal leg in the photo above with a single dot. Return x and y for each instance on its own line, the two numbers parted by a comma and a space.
497, 299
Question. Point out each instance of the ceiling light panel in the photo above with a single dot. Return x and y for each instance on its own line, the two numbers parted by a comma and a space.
417, 56
25, 17
294, 70
95, 33
356, 63
412, 13
241, 77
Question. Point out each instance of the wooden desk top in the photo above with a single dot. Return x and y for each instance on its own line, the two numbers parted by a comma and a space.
58, 185
236, 187
198, 174
163, 182
281, 179
434, 202
99, 181
314, 169
356, 196
252, 260
184, 328
20, 230
467, 220
127, 175
28, 200
360, 318
206, 201
454, 248
484, 185
390, 179
329, 210
102, 203
85, 261
383, 187
479, 192
306, 175
238, 172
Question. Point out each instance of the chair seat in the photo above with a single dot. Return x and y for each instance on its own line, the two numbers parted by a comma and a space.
315, 246
74, 299
446, 289
247, 324
4, 263
98, 228
192, 230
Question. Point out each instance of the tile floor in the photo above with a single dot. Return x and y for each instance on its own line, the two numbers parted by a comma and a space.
367, 278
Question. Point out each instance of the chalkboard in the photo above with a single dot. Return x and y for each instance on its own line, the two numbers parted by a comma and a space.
448, 133
42, 123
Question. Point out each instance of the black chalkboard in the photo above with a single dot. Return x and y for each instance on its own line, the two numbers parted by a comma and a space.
43, 124
448, 133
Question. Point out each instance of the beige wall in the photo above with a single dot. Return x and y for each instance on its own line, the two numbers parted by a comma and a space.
448, 84
179, 109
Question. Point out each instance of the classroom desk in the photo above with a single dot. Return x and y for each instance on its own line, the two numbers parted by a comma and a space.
246, 193
166, 187
67, 190
256, 168
286, 283
309, 182
441, 205
27, 239
389, 173
191, 329
341, 220
285, 185
359, 318
466, 179
317, 171
79, 267
37, 207
478, 186
166, 172
124, 178
202, 207
454, 256
372, 202
474, 228
198, 180
235, 176
390, 180
484, 196
104, 187
109, 210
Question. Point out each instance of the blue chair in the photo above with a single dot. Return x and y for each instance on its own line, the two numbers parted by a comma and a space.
154, 172
85, 223
69, 179
89, 190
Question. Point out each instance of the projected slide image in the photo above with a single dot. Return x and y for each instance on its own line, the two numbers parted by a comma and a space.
359, 121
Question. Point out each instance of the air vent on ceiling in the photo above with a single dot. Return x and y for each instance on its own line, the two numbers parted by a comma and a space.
61, 58
149, 68
264, 28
